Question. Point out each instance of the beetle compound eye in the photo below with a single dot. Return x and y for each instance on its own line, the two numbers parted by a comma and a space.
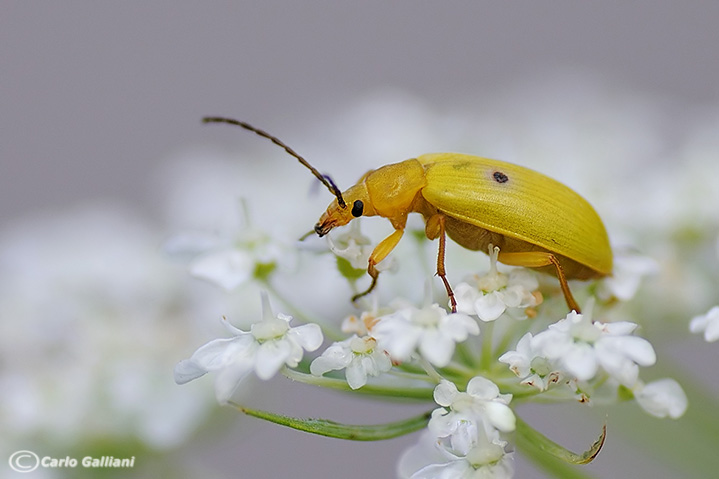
357, 208
500, 177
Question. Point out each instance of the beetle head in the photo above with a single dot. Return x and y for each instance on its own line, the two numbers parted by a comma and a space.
357, 204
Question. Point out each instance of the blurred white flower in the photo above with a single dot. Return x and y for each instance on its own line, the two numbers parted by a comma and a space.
581, 346
360, 358
662, 398
706, 323
247, 254
361, 325
270, 344
494, 293
429, 329
253, 254
86, 301
629, 270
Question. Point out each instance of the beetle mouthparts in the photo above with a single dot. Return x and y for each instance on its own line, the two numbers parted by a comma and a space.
320, 230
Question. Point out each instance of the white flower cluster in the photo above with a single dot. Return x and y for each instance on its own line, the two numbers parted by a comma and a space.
576, 350
429, 333
495, 293
87, 304
464, 436
269, 345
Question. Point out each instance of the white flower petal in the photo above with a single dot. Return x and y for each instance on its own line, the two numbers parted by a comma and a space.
336, 356
620, 368
465, 295
219, 353
397, 336
227, 268
459, 469
271, 356
436, 348
356, 374
228, 379
709, 323
635, 348
581, 361
308, 336
618, 328
459, 326
711, 333
463, 437
519, 361
482, 388
490, 306
423, 453
500, 416
187, 370
445, 393
382, 362
699, 323
663, 398
442, 423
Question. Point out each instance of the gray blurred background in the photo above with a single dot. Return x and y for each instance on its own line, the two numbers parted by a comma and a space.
94, 96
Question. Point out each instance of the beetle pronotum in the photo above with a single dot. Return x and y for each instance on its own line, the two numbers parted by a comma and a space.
535, 221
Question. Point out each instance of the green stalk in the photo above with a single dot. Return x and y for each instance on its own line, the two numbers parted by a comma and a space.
352, 432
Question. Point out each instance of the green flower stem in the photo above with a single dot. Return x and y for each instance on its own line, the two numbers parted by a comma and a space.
551, 465
324, 427
410, 376
466, 355
485, 361
456, 369
429, 369
552, 457
380, 390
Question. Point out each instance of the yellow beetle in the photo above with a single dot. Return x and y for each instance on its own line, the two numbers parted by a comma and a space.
535, 221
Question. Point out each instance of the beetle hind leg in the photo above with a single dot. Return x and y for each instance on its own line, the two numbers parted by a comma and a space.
435, 228
441, 271
537, 259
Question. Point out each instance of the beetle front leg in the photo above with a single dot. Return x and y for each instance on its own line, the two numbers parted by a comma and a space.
379, 253
537, 259
433, 229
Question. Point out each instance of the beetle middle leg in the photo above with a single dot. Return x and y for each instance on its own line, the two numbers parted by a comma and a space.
435, 228
379, 253
537, 259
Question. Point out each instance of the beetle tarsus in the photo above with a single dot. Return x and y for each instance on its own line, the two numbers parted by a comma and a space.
450, 293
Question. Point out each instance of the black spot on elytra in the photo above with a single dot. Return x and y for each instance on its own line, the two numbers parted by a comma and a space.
500, 177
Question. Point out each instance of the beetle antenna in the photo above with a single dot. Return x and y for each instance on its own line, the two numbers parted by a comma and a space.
326, 180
